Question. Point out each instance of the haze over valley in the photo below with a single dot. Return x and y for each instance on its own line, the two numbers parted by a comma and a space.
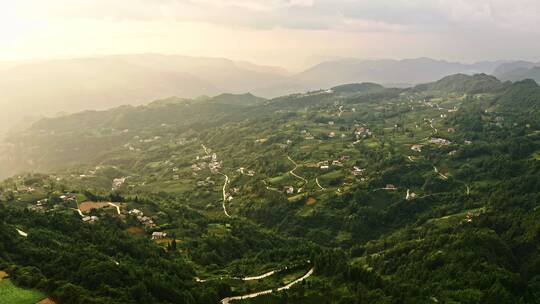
97, 83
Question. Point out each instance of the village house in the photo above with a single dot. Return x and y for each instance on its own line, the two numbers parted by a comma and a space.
117, 183
440, 141
410, 195
357, 171
337, 163
451, 130
69, 197
390, 187
135, 212
90, 219
158, 235
332, 134
289, 189
416, 148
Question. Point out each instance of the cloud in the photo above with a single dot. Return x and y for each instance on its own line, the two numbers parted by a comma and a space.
345, 15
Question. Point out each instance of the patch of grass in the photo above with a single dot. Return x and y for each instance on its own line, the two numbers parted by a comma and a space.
12, 294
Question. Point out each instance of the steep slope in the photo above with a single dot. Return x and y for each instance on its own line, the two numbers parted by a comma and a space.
461, 83
522, 74
509, 67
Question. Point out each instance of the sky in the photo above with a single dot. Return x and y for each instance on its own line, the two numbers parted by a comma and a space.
289, 33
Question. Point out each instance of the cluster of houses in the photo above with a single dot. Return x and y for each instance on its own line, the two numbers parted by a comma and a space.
243, 171
117, 183
357, 171
410, 195
158, 235
25, 189
307, 135
229, 195
390, 187
325, 164
416, 148
290, 190
439, 141
90, 219
40, 205
69, 197
362, 132
213, 164
470, 216
143, 219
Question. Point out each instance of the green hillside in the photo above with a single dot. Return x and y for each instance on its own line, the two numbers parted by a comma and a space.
371, 194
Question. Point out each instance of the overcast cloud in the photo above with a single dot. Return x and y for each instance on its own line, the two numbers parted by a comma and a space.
496, 28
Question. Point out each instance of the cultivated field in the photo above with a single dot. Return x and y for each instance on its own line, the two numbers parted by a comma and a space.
12, 294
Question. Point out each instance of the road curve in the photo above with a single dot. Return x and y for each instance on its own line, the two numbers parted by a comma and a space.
269, 291
295, 167
225, 193
318, 184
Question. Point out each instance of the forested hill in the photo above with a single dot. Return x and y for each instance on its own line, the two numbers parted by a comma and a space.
355, 194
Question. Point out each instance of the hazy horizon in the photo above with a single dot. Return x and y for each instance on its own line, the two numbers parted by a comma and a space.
292, 34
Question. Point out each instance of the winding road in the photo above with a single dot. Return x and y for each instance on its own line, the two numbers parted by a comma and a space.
317, 181
296, 167
115, 206
78, 211
269, 291
225, 193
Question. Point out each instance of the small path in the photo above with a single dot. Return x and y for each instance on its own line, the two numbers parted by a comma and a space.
270, 189
225, 193
22, 233
439, 173
262, 276
385, 188
269, 291
78, 211
116, 206
205, 149
318, 184
340, 111
295, 167
224, 184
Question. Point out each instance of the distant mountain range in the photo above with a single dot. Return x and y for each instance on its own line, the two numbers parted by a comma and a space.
38, 88
519, 70
401, 73
48, 87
